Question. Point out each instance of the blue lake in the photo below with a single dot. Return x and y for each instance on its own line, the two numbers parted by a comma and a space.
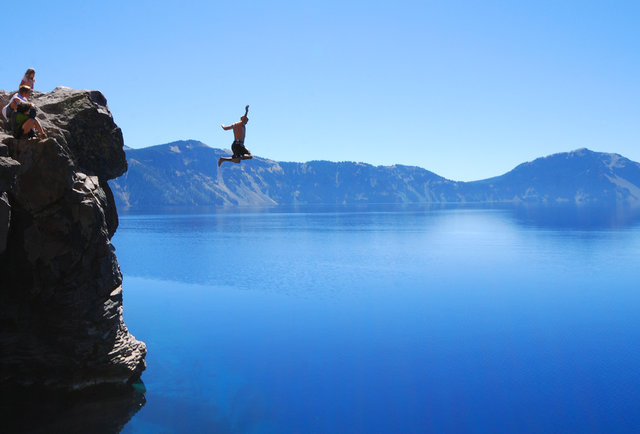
390, 320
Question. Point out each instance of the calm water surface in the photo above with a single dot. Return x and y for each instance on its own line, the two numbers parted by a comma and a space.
385, 320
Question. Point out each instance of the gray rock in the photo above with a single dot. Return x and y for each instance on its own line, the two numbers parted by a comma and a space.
8, 169
5, 217
61, 286
84, 120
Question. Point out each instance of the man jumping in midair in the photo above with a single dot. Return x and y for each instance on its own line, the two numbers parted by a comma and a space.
239, 131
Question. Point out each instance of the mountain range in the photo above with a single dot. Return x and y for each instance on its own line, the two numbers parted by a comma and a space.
185, 174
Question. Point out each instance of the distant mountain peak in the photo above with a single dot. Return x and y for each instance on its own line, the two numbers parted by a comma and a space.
178, 146
188, 144
581, 152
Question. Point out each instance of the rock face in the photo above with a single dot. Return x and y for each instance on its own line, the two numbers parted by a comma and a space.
60, 282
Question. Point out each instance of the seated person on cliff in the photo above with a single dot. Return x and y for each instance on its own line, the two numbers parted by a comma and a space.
18, 97
29, 78
24, 122
240, 152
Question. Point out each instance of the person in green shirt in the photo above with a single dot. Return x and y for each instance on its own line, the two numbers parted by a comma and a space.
25, 122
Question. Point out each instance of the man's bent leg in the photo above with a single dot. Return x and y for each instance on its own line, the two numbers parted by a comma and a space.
223, 159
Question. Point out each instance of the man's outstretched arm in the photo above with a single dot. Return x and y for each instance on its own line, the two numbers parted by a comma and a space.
246, 110
225, 127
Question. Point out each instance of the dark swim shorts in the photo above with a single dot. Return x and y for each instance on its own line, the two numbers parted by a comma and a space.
238, 149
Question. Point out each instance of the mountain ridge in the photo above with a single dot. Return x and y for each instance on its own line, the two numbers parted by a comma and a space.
184, 173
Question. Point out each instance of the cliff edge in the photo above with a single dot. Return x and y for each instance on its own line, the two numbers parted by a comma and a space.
60, 282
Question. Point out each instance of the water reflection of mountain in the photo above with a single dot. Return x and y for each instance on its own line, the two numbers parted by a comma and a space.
576, 217
95, 411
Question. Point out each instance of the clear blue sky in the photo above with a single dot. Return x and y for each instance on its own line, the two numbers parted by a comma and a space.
466, 89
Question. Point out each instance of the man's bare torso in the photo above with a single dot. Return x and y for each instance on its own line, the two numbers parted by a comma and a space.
239, 131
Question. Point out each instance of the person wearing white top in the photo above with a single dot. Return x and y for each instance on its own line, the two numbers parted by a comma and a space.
20, 96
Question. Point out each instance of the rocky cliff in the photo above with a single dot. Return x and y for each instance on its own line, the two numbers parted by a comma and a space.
60, 282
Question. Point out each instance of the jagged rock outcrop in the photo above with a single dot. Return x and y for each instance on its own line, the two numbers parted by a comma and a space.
60, 282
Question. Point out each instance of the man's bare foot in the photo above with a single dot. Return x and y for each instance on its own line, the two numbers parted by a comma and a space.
220, 161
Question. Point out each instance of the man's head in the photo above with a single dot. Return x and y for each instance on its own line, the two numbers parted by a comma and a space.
244, 119
24, 90
23, 107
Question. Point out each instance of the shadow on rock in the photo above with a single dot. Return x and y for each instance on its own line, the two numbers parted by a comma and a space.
94, 410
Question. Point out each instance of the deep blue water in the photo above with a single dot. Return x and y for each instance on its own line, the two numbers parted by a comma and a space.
387, 320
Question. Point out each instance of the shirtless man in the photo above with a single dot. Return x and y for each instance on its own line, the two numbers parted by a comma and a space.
239, 131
